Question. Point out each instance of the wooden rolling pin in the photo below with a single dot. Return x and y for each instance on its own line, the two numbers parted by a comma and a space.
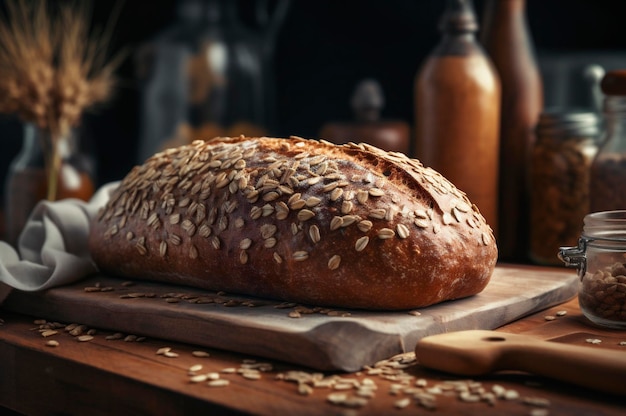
477, 352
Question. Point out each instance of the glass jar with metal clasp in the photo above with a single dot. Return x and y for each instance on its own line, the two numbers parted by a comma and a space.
600, 258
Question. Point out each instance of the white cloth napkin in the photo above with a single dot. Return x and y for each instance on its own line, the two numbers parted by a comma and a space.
52, 249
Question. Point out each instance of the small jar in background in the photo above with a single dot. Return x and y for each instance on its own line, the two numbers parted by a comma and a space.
600, 258
559, 177
368, 126
608, 172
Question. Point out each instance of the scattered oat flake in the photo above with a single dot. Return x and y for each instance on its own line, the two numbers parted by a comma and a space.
194, 368
170, 354
622, 343
84, 338
199, 378
218, 383
251, 375
536, 401
52, 343
402, 403
304, 389
466, 396
49, 333
511, 395
163, 350
336, 398
561, 313
200, 354
549, 317
421, 382
593, 340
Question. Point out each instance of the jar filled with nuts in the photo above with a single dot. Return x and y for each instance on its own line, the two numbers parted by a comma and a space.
600, 258
608, 171
559, 177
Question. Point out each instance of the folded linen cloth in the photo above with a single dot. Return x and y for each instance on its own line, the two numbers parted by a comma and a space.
52, 249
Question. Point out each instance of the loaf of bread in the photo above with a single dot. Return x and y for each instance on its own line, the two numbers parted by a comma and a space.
296, 220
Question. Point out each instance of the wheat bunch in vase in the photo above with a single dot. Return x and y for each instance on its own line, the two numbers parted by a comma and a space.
53, 67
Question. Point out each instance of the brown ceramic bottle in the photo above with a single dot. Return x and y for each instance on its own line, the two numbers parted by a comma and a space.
506, 38
457, 104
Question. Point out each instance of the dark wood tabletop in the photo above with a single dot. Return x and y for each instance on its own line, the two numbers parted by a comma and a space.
62, 368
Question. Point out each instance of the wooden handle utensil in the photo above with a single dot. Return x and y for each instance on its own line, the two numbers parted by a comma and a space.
477, 352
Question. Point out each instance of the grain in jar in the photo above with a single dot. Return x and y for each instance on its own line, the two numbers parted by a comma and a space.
600, 258
560, 165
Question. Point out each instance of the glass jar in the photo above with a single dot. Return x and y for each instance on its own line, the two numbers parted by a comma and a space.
600, 258
559, 177
608, 171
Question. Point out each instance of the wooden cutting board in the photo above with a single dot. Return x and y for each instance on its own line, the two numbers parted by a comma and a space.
323, 340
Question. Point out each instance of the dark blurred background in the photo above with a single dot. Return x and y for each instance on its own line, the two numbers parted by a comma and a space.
325, 47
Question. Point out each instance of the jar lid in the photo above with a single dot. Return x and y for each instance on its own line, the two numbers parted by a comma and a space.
606, 225
568, 123
614, 82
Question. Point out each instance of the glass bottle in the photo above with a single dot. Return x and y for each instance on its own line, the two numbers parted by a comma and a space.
608, 171
600, 258
207, 75
27, 180
507, 40
457, 110
559, 180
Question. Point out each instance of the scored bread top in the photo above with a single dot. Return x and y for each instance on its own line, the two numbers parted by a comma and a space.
298, 220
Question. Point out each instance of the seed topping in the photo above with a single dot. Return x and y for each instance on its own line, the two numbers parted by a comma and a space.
361, 243
300, 255
179, 192
334, 262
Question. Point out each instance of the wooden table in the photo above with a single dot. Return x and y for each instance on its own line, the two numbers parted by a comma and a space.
101, 376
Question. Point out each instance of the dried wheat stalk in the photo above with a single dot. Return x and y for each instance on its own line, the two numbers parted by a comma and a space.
52, 67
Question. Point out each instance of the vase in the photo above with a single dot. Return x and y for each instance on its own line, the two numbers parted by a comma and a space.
44, 169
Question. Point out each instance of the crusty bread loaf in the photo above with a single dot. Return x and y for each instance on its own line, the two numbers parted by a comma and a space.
297, 220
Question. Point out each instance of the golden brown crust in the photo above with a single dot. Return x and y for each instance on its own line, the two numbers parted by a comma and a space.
298, 220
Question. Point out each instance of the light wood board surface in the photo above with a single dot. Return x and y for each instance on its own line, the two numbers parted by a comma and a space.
316, 340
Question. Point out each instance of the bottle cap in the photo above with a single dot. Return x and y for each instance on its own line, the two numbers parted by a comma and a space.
614, 82
459, 17
367, 100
